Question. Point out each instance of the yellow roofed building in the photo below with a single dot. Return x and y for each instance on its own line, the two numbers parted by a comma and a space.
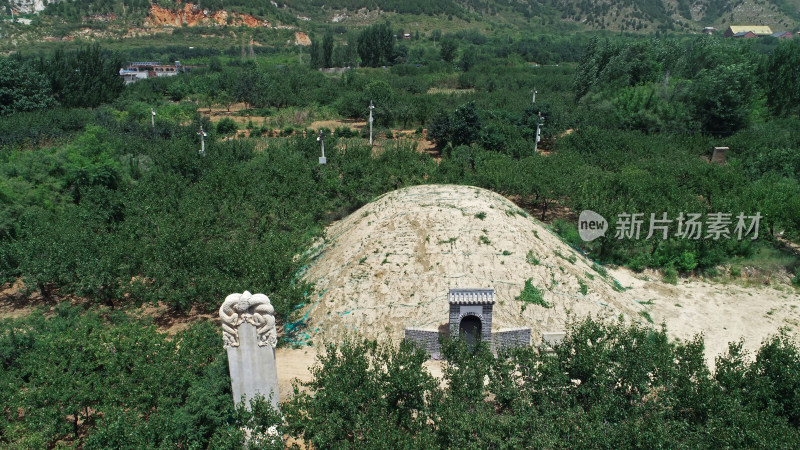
758, 30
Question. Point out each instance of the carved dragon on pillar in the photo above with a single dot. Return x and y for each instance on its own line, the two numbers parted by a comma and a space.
253, 309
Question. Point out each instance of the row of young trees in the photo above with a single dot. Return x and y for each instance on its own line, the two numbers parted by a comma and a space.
608, 385
87, 380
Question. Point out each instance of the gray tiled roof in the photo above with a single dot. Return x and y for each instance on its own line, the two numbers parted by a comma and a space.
471, 296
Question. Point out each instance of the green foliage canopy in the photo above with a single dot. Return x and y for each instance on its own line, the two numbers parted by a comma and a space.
22, 88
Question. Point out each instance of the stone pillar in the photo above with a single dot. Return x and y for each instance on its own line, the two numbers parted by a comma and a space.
249, 335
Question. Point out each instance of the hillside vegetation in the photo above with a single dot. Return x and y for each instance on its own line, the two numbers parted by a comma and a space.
115, 18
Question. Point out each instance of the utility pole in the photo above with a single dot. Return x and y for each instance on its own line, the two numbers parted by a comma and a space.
321, 139
371, 107
202, 141
539, 124
153, 118
533, 99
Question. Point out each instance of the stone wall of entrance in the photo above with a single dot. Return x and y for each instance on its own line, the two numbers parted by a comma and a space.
426, 339
511, 338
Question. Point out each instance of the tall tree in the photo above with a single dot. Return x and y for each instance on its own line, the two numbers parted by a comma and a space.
316, 54
783, 78
376, 45
327, 50
22, 88
87, 77
722, 98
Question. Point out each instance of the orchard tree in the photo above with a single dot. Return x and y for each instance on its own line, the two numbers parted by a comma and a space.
465, 125
722, 98
783, 78
448, 50
467, 58
462, 127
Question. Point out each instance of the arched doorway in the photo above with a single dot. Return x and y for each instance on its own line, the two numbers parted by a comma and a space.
470, 330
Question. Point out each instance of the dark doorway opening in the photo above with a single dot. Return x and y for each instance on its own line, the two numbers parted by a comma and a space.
470, 330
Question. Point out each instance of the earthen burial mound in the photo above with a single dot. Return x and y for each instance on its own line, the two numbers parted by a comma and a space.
390, 264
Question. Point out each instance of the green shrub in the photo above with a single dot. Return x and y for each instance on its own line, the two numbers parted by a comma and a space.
568, 232
600, 269
571, 258
346, 132
639, 262
227, 126
670, 275
584, 289
687, 262
532, 295
531, 258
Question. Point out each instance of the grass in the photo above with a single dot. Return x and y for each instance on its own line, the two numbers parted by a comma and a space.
584, 288
769, 259
506, 253
449, 241
484, 240
571, 258
646, 315
532, 295
481, 215
600, 269
531, 258
670, 275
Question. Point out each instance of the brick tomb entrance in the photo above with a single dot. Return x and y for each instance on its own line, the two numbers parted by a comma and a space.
471, 314
470, 317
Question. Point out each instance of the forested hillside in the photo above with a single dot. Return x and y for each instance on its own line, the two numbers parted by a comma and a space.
627, 15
